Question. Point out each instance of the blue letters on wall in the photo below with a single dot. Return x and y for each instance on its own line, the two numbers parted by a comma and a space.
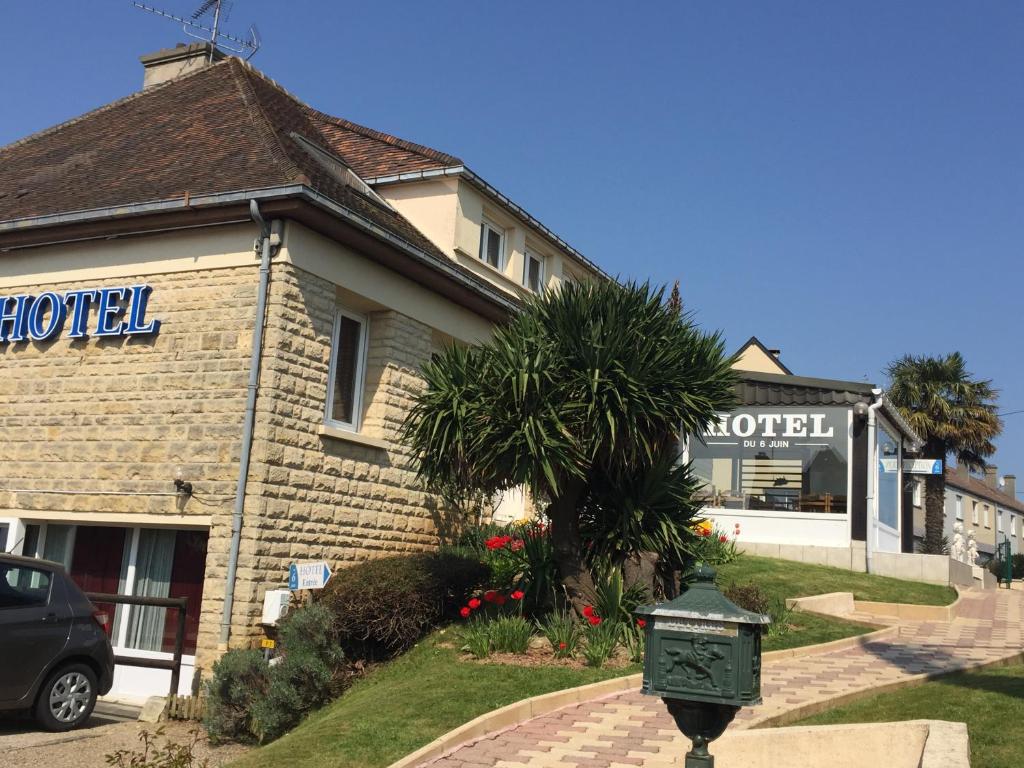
115, 312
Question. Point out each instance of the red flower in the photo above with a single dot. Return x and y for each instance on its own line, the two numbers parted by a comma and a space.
464, 612
518, 595
474, 603
517, 544
499, 599
490, 595
594, 620
588, 611
723, 538
562, 646
641, 623
705, 532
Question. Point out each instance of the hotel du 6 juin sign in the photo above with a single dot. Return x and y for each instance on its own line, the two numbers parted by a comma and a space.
786, 428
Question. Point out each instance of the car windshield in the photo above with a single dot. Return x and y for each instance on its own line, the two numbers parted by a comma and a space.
22, 586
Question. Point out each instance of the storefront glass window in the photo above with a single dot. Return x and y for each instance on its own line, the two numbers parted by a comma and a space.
782, 459
888, 478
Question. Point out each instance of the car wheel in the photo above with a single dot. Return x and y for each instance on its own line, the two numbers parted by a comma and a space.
67, 698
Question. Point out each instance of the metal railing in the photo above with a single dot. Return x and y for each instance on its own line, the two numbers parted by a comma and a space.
173, 664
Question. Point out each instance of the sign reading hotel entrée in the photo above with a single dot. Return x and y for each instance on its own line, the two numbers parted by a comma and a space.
923, 466
90, 312
308, 575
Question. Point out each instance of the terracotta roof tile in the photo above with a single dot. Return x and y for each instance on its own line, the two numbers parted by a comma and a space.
224, 128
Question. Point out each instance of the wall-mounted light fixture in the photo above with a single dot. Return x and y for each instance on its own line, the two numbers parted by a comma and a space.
181, 485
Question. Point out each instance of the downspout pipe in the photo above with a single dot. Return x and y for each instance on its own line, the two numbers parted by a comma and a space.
266, 243
872, 501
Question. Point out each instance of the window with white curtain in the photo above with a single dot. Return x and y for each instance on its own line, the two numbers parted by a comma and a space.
153, 562
533, 272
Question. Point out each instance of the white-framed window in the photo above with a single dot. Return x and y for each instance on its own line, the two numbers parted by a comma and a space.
492, 244
999, 520
988, 521
959, 507
917, 493
348, 369
533, 272
974, 511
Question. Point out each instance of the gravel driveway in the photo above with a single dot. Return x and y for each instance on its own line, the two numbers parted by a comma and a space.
23, 745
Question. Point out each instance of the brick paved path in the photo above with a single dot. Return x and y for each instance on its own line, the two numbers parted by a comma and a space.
628, 729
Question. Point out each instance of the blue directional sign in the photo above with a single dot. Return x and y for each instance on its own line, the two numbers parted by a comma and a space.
308, 575
922, 466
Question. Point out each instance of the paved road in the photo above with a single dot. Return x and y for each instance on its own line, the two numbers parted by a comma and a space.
632, 730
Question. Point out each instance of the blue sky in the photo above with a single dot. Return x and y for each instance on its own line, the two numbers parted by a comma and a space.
844, 180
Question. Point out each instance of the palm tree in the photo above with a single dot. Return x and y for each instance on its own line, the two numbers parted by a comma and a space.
581, 398
954, 413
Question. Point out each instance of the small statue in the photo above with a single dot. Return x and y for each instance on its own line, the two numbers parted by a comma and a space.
957, 550
972, 549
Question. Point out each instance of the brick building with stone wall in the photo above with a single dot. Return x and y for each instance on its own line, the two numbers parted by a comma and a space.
132, 344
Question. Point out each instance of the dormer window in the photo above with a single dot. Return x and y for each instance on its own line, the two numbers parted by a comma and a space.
533, 272
492, 244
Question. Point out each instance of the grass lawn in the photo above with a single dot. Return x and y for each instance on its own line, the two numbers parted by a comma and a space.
781, 578
410, 702
990, 701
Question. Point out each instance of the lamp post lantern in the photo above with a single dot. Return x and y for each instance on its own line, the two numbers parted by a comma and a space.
703, 658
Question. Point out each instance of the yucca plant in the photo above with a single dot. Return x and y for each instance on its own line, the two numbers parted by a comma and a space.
601, 641
563, 631
579, 397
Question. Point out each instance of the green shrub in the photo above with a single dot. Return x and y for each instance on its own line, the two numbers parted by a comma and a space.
633, 641
510, 634
713, 546
996, 567
476, 638
601, 641
563, 631
612, 600
751, 597
383, 607
518, 555
240, 679
781, 617
307, 675
170, 755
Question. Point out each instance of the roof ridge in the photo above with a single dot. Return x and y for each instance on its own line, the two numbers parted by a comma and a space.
263, 124
371, 133
112, 105
387, 138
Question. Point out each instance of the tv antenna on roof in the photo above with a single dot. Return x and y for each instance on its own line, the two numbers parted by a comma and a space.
218, 10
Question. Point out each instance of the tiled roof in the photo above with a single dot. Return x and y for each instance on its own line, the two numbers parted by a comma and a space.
372, 153
225, 128
960, 478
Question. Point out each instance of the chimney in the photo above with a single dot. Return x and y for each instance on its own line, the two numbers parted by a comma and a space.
992, 476
1010, 486
174, 62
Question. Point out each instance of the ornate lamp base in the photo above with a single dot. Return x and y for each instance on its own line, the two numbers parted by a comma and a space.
701, 723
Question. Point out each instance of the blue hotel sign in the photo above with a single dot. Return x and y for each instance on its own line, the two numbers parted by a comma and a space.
90, 312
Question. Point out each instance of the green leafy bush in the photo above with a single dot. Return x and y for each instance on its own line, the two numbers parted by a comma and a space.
307, 676
614, 601
510, 634
749, 596
713, 545
997, 569
251, 700
633, 640
563, 631
382, 607
602, 639
170, 755
240, 679
476, 638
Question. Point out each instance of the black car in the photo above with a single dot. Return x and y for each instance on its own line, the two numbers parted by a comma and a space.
55, 656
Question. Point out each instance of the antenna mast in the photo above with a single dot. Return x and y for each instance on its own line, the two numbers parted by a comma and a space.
212, 34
